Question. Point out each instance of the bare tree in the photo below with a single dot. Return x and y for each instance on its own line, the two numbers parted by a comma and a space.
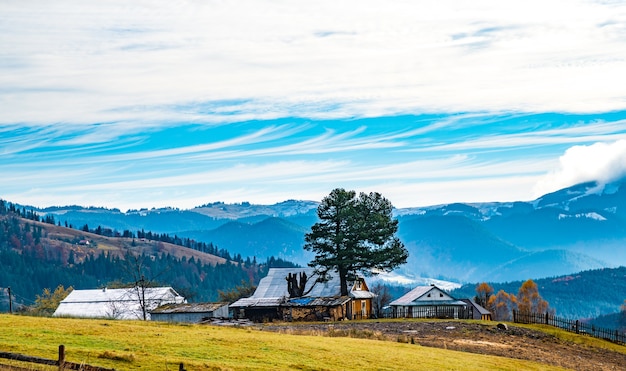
383, 297
137, 268
114, 310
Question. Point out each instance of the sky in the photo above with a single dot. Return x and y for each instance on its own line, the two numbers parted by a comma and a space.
141, 104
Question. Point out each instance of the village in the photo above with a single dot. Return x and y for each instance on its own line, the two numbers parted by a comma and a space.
285, 294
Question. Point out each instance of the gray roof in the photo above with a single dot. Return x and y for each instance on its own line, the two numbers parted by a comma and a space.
114, 303
420, 296
189, 308
272, 289
478, 307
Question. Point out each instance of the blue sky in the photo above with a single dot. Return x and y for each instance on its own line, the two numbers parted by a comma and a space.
180, 103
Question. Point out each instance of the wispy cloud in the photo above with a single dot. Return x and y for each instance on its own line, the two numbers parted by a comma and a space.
113, 61
159, 103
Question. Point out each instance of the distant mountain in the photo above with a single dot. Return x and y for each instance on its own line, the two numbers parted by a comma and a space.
452, 246
577, 228
271, 236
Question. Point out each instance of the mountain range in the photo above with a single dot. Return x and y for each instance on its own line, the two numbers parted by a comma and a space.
578, 228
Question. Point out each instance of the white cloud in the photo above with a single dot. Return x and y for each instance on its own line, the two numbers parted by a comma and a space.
78, 62
602, 162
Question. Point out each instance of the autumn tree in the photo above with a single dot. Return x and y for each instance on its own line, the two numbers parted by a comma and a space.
502, 305
48, 301
529, 300
355, 234
484, 292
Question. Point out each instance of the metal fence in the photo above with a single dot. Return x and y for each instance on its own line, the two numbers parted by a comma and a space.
442, 312
575, 326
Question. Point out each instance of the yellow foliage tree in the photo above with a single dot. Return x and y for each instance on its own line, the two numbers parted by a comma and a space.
48, 301
502, 306
529, 300
484, 292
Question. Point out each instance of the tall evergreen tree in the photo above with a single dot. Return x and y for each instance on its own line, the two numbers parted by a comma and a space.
354, 235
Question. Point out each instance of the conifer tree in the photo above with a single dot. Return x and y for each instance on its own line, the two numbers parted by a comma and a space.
354, 235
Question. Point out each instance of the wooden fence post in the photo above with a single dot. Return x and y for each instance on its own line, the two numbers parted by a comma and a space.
61, 357
547, 318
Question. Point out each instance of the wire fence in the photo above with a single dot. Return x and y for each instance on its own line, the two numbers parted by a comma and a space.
570, 325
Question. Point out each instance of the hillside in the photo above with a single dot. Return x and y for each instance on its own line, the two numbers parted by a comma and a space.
382, 345
271, 236
568, 293
51, 255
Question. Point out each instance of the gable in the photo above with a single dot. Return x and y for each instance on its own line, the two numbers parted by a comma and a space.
423, 294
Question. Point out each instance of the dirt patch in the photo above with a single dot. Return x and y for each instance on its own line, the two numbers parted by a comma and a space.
514, 342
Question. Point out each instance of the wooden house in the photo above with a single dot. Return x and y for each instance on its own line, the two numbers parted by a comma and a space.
116, 303
429, 302
294, 294
189, 312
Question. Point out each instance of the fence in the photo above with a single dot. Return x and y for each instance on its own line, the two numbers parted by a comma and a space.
443, 312
570, 325
61, 362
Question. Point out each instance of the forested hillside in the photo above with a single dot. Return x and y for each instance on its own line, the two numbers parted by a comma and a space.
38, 254
583, 295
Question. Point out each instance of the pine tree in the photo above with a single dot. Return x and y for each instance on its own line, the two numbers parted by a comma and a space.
355, 235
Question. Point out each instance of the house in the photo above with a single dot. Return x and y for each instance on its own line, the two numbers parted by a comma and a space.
429, 302
189, 312
116, 303
478, 311
294, 294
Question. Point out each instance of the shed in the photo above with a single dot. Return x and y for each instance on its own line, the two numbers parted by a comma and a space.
116, 303
189, 312
429, 302
478, 311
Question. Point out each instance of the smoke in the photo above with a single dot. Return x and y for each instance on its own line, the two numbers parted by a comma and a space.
601, 162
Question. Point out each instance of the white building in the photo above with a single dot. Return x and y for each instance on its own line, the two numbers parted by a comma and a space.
116, 303
429, 302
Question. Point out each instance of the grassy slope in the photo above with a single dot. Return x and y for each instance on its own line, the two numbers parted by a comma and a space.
60, 236
131, 345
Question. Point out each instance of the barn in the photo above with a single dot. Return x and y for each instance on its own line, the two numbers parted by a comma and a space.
116, 303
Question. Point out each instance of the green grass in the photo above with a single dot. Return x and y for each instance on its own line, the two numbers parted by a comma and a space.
133, 345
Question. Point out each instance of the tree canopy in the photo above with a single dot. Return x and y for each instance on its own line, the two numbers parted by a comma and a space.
354, 235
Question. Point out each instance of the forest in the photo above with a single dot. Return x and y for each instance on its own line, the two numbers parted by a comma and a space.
30, 263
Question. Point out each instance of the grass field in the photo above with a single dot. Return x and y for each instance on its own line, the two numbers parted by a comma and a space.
134, 345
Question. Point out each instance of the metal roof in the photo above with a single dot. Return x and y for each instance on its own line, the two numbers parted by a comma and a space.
188, 308
272, 289
478, 307
114, 303
419, 296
